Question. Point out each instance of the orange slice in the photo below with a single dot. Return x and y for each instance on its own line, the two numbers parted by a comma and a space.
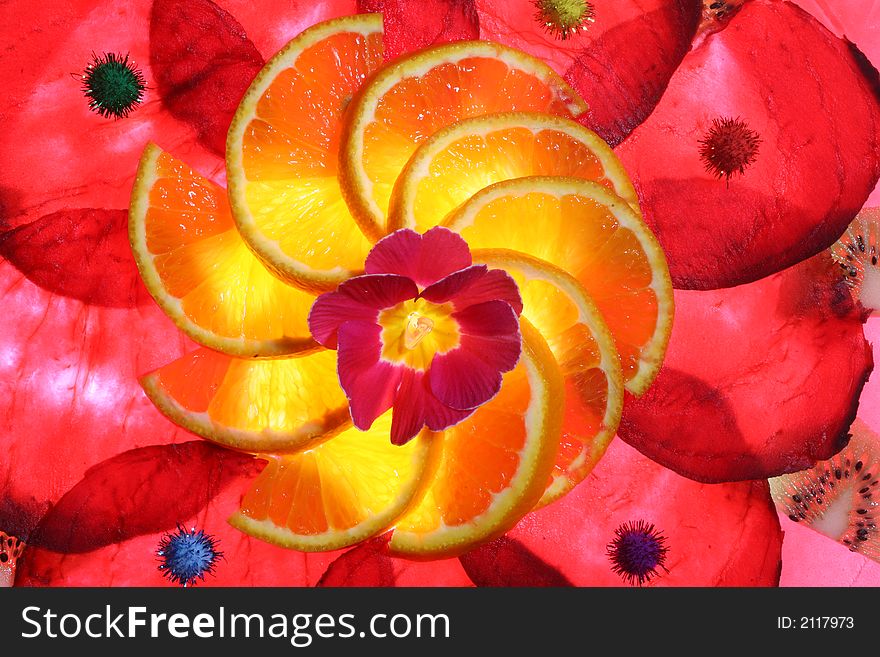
460, 160
414, 97
594, 235
282, 150
559, 307
494, 465
252, 405
342, 492
198, 269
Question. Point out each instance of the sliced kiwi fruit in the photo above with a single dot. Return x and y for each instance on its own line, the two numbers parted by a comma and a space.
838, 497
857, 253
11, 549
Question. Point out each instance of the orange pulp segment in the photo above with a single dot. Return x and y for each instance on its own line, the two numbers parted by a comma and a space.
282, 152
467, 156
494, 465
594, 235
253, 405
198, 269
414, 97
339, 493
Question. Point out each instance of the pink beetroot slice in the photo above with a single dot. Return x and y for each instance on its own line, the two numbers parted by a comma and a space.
620, 62
758, 380
796, 108
712, 534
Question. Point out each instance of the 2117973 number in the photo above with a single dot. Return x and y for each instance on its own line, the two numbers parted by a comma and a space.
815, 622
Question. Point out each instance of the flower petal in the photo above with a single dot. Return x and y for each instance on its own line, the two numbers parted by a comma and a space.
450, 286
378, 290
716, 535
376, 390
416, 407
475, 285
621, 62
357, 299
423, 258
490, 319
758, 380
490, 345
462, 379
496, 284
414, 24
332, 309
814, 103
369, 382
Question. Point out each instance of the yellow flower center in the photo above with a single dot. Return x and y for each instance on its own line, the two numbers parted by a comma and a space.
417, 327
414, 331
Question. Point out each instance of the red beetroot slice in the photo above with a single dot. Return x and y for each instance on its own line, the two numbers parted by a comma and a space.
715, 534
363, 565
203, 63
812, 101
415, 24
507, 562
218, 479
758, 380
620, 64
368, 564
141, 491
56, 154
69, 396
82, 253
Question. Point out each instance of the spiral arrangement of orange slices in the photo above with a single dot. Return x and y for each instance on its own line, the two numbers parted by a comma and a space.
330, 150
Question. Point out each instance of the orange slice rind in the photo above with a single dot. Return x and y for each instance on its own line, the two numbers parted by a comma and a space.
415, 96
277, 405
594, 235
562, 311
461, 159
339, 493
282, 152
200, 272
493, 466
